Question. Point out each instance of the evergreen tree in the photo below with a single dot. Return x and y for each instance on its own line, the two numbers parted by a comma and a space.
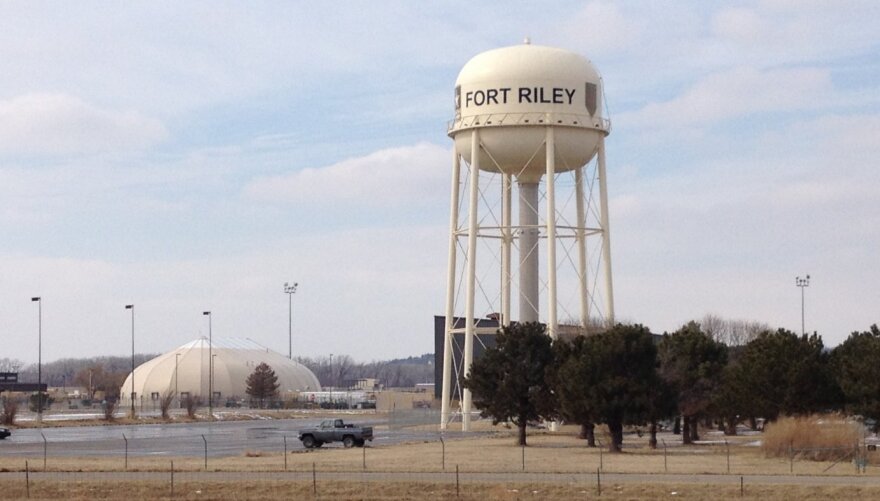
568, 380
262, 384
618, 377
691, 362
784, 373
508, 382
730, 400
857, 371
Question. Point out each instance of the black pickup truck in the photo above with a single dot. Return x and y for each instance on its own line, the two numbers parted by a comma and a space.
334, 430
4, 432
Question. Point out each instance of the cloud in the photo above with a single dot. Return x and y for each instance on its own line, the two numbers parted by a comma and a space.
361, 292
600, 28
777, 31
738, 93
55, 124
730, 232
385, 178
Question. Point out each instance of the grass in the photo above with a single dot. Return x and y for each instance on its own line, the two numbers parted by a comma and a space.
547, 452
826, 437
351, 490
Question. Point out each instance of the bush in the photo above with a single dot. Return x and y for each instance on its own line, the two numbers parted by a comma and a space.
191, 403
34, 400
821, 437
109, 410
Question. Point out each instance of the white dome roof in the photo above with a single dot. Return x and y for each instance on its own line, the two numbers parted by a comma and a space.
234, 361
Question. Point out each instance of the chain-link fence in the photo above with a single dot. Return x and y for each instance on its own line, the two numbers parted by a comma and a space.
211, 467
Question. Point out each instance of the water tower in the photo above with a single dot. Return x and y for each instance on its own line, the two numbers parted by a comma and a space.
528, 125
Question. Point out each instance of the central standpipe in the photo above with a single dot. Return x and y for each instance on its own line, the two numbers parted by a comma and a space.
528, 252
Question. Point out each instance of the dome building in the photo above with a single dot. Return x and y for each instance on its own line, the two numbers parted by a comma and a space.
185, 372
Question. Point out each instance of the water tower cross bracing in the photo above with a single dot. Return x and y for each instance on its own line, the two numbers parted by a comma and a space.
528, 125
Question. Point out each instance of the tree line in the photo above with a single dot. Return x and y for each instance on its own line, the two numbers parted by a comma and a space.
106, 374
627, 376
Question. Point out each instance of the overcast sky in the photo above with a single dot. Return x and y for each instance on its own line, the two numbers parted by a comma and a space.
187, 156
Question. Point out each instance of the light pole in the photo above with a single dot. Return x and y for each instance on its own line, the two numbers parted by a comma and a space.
802, 283
212, 373
290, 290
39, 302
176, 393
210, 368
131, 307
331, 380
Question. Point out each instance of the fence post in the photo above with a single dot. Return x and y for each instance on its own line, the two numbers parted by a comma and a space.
314, 480
599, 482
523, 457
665, 464
443, 458
457, 491
172, 479
364, 448
45, 446
205, 440
126, 450
791, 457
741, 487
285, 452
601, 460
27, 479
727, 444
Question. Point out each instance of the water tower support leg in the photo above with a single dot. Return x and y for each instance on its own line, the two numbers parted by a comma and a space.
450, 291
506, 243
606, 235
471, 288
552, 323
582, 247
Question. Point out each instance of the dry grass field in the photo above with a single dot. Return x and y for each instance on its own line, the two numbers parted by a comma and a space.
273, 490
547, 452
413, 468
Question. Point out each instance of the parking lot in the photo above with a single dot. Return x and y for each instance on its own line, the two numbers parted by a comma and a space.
224, 438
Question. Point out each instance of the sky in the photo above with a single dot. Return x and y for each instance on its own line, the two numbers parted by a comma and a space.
193, 156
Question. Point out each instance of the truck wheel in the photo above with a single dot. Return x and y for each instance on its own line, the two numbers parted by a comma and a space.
348, 441
308, 441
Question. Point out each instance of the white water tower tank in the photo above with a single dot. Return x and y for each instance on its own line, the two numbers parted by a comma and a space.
513, 93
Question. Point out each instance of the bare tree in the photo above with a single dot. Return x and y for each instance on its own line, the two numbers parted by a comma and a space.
732, 332
191, 403
165, 404
10, 364
10, 410
109, 410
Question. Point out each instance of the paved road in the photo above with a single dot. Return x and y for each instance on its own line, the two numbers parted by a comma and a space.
225, 438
